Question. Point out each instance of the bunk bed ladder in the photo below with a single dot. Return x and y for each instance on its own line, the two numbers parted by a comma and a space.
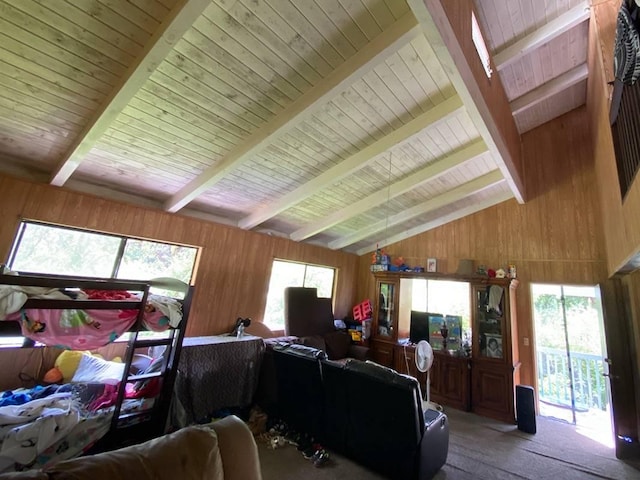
152, 422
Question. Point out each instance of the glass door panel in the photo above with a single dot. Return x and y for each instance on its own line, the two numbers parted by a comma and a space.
386, 309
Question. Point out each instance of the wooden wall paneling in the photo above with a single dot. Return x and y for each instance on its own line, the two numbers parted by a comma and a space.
234, 265
622, 232
554, 238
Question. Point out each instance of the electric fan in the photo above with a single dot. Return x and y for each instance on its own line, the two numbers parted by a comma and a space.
424, 360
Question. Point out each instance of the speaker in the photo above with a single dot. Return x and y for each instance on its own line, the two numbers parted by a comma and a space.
526, 408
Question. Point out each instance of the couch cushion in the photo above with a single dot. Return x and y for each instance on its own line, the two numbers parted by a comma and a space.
190, 453
338, 344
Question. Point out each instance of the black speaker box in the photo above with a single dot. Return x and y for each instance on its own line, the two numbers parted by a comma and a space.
526, 408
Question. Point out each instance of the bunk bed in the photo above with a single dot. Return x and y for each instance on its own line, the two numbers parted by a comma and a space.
107, 404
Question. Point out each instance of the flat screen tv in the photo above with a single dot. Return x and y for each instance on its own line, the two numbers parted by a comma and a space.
419, 326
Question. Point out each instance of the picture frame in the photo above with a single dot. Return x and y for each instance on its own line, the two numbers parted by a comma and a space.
432, 265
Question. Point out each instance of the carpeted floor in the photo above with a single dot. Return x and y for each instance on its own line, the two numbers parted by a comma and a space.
479, 448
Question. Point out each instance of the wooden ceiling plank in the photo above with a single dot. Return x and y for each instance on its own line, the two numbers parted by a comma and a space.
303, 108
395, 7
42, 96
43, 84
139, 16
114, 23
544, 34
69, 75
304, 38
463, 212
547, 90
450, 196
429, 173
153, 117
74, 60
57, 24
188, 64
367, 27
245, 37
353, 163
170, 31
500, 134
50, 76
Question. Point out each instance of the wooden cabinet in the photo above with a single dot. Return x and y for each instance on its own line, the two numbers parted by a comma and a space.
382, 352
485, 381
496, 365
449, 376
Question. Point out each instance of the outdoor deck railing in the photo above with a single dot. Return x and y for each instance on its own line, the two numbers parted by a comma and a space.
553, 379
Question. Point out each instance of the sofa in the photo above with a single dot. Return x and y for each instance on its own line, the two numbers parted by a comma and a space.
223, 450
367, 412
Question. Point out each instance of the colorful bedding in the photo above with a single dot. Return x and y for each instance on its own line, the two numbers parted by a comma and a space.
76, 329
44, 425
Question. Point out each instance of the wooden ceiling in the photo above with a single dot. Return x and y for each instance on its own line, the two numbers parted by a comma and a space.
335, 122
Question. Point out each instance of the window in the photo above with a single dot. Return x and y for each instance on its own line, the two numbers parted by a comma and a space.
290, 274
442, 296
481, 46
54, 250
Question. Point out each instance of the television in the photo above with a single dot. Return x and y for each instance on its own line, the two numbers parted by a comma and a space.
419, 326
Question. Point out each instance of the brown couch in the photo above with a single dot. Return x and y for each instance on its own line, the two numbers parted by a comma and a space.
224, 449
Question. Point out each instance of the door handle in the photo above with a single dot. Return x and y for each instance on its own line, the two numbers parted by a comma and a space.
616, 377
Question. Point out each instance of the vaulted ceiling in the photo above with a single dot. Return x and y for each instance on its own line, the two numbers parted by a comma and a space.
346, 123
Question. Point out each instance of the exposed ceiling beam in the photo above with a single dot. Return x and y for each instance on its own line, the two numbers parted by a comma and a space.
552, 87
438, 114
388, 42
172, 28
463, 212
578, 14
430, 172
451, 56
453, 195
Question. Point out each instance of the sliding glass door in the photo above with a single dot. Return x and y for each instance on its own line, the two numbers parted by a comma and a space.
570, 355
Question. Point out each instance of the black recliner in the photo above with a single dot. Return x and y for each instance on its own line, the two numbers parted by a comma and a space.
363, 410
387, 429
300, 392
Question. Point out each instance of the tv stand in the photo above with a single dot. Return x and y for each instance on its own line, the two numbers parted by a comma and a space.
450, 376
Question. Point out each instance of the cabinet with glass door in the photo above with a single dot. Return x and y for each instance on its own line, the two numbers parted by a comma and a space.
495, 369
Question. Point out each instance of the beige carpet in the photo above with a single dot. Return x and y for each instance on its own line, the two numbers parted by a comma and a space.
479, 448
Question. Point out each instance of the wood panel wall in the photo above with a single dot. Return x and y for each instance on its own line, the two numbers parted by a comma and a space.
554, 238
620, 219
234, 265
488, 93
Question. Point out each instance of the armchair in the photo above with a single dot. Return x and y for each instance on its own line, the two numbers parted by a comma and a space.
311, 320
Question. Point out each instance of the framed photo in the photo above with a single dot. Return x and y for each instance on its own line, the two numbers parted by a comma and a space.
432, 265
494, 346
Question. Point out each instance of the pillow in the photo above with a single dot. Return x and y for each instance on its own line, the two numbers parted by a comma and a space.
338, 344
93, 369
67, 362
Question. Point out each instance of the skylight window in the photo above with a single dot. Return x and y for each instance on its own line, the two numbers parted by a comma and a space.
481, 47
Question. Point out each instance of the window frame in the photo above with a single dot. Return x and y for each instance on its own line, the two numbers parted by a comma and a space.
306, 265
117, 259
21, 341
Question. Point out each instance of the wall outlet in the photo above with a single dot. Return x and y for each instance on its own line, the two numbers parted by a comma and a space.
525, 341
